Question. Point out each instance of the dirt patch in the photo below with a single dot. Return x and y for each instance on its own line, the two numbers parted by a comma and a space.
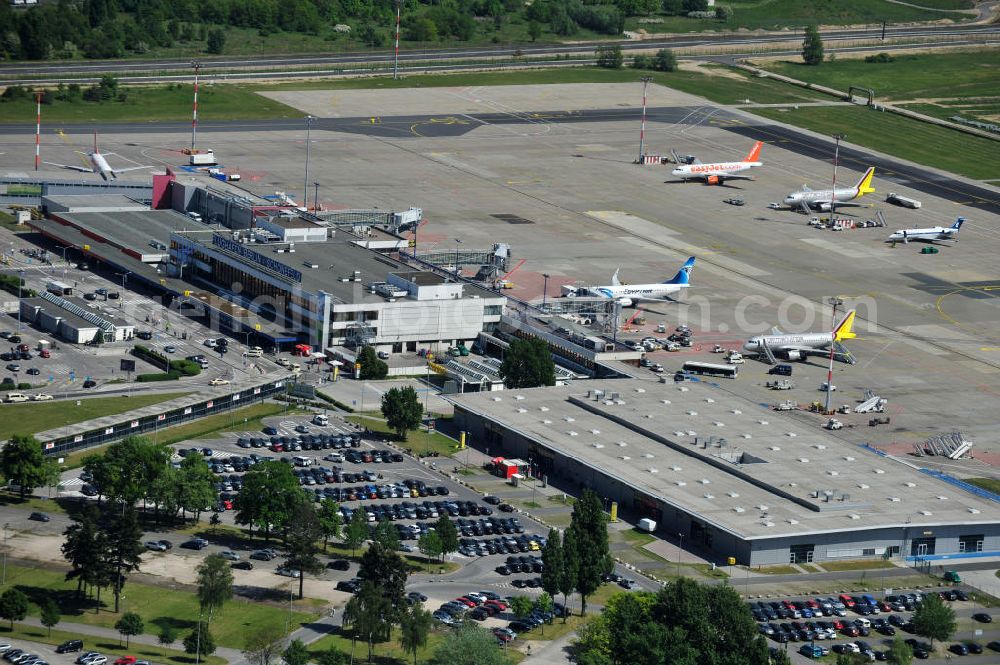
700, 67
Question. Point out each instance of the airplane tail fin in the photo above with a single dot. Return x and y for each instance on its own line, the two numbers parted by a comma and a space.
96, 151
845, 330
958, 224
754, 152
614, 278
684, 274
865, 184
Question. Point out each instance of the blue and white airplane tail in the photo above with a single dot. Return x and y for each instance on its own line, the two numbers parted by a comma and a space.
683, 275
958, 224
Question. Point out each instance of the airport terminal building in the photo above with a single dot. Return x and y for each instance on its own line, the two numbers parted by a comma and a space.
733, 477
335, 290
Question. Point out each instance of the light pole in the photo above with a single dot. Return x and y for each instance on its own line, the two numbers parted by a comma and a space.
197, 641
458, 268
20, 282
836, 157
836, 302
545, 289
642, 129
121, 298
305, 182
315, 197
395, 61
680, 548
5, 527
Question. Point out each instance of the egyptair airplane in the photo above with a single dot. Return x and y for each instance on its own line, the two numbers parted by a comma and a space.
714, 174
98, 164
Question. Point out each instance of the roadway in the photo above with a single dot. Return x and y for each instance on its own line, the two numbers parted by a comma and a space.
278, 66
922, 179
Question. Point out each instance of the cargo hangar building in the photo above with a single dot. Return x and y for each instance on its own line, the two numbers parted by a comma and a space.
732, 477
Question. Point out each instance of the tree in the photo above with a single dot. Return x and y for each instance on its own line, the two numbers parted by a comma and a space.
13, 606
168, 635
553, 565
521, 606
200, 641
330, 520
269, 493
590, 539
263, 645
414, 627
534, 30
357, 530
370, 614
900, 652
812, 46
695, 5
50, 614
544, 604
385, 569
469, 645
130, 624
123, 542
195, 486
448, 534
23, 464
303, 532
423, 30
430, 544
665, 61
571, 564
332, 656
215, 584
933, 619
723, 12
528, 364
386, 535
84, 548
372, 367
296, 653
402, 410
610, 56
216, 41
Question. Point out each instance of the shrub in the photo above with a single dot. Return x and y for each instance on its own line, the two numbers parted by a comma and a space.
185, 367
151, 356
879, 57
24, 386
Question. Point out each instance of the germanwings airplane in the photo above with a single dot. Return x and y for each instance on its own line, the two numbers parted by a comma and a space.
627, 294
931, 234
824, 199
714, 174
797, 347
98, 164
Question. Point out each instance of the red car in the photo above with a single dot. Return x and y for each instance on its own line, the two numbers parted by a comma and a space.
846, 600
126, 660
499, 604
465, 601
812, 604
227, 504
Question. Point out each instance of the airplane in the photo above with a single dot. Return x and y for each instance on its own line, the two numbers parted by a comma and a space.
931, 234
824, 199
627, 294
715, 174
98, 164
798, 347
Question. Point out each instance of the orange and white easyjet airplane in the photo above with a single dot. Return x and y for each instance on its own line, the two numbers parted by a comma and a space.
714, 174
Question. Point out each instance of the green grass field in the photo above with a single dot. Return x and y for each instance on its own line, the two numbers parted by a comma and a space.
951, 75
988, 484
248, 417
158, 605
109, 647
776, 14
867, 564
967, 155
417, 441
28, 418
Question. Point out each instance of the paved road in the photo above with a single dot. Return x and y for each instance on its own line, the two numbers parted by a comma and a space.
381, 59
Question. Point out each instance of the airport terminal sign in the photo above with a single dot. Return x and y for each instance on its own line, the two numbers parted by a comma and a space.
256, 257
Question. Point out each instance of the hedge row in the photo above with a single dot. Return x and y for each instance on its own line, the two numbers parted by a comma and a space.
172, 375
185, 367
153, 357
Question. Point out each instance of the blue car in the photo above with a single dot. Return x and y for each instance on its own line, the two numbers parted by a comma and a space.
811, 651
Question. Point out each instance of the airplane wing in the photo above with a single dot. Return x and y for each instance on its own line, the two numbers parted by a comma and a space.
132, 168
720, 176
71, 167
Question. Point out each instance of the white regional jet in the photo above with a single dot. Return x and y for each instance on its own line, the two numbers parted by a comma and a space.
824, 199
797, 347
98, 164
627, 294
714, 174
929, 235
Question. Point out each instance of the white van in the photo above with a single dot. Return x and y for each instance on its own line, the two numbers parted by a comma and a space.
321, 420
302, 461
862, 622
16, 397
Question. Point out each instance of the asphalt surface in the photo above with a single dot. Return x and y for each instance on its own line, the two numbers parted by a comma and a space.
382, 58
426, 126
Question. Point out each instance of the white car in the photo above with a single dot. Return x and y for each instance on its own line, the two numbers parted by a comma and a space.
229, 555
40, 397
218, 382
99, 659
287, 572
284, 362
210, 343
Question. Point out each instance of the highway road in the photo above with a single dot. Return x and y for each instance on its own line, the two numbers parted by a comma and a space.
888, 169
277, 65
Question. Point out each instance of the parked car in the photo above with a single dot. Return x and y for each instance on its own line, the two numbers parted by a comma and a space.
39, 517
229, 555
195, 544
155, 546
69, 645
242, 565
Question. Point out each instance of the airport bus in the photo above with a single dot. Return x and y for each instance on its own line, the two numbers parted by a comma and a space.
711, 369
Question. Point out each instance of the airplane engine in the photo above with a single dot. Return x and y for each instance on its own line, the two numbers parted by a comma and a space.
712, 180
794, 355
625, 302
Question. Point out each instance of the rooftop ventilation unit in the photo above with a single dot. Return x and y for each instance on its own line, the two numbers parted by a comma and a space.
819, 446
894, 499
854, 516
648, 455
569, 419
862, 486
732, 494
848, 458
595, 431
498, 399
738, 509
683, 389
598, 445
543, 409
791, 434
719, 424
572, 433
615, 396
640, 390
622, 444
675, 468
804, 460
709, 400
520, 410
747, 435
692, 413
546, 421
665, 401
909, 484
625, 458
833, 473
880, 471
926, 513
518, 397
709, 496
942, 498
762, 422
736, 412
792, 521
705, 481
974, 511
